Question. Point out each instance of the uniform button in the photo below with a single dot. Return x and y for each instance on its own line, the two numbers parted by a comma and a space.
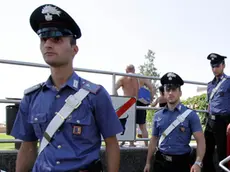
169, 138
58, 162
35, 119
59, 146
169, 146
57, 96
78, 121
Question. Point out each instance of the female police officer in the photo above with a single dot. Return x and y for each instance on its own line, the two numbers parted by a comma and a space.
173, 127
67, 113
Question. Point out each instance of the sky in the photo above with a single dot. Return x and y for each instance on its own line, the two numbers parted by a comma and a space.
117, 33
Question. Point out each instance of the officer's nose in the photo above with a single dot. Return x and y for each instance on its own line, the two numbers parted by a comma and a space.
48, 43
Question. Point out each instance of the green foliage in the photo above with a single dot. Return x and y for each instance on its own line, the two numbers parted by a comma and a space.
198, 103
148, 68
149, 116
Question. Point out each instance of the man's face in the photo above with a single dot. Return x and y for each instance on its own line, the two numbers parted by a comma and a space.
58, 51
218, 69
130, 69
172, 94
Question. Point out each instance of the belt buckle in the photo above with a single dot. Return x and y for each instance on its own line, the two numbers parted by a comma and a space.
213, 117
167, 158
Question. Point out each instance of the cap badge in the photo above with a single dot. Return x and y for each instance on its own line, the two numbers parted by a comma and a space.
50, 11
171, 75
213, 56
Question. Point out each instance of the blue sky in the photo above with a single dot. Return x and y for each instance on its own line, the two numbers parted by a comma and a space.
117, 33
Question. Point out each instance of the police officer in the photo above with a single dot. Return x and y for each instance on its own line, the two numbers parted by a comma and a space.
67, 113
217, 127
172, 129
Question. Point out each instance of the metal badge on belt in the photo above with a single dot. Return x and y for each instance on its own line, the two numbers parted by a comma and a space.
77, 130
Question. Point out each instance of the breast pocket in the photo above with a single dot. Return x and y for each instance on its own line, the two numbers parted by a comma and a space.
80, 122
160, 125
183, 131
39, 122
222, 91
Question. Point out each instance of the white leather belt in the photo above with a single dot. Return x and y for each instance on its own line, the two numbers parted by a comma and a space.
71, 103
174, 124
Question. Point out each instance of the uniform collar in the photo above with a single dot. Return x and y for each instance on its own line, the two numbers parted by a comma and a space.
177, 108
72, 82
215, 80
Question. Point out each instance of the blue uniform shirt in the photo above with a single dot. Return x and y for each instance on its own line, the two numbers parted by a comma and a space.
177, 142
220, 101
77, 142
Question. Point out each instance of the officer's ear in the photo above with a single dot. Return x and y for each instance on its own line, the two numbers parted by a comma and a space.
223, 65
180, 91
75, 50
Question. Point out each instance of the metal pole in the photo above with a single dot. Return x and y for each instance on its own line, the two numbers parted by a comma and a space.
113, 84
10, 141
9, 101
13, 62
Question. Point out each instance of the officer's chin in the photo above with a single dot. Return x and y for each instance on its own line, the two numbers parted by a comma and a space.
55, 64
172, 102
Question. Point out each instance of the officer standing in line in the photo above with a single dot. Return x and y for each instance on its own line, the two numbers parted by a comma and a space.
67, 113
217, 127
172, 127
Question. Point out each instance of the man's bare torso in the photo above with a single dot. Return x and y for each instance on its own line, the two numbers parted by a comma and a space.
130, 86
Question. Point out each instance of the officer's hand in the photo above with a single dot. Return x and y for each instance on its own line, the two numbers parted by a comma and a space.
195, 168
228, 129
147, 168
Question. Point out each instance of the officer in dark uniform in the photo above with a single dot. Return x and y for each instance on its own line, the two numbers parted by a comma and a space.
67, 113
173, 127
217, 127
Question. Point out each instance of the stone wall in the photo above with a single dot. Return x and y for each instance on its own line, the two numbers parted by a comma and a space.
132, 159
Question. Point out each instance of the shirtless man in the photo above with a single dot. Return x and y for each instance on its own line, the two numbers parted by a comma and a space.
130, 86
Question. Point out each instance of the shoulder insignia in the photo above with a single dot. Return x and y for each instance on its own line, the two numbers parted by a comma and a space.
89, 86
32, 89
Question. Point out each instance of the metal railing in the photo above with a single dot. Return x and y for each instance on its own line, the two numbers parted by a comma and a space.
114, 74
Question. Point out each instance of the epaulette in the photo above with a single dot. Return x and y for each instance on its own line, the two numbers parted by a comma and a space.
32, 89
89, 86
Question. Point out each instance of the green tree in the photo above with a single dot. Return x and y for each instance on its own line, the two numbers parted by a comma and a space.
149, 69
197, 103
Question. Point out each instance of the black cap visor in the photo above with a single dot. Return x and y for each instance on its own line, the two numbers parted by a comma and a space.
52, 32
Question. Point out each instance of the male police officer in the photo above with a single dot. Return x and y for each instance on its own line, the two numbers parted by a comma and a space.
67, 113
217, 126
173, 127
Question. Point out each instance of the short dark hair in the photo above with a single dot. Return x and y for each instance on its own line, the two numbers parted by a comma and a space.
73, 41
